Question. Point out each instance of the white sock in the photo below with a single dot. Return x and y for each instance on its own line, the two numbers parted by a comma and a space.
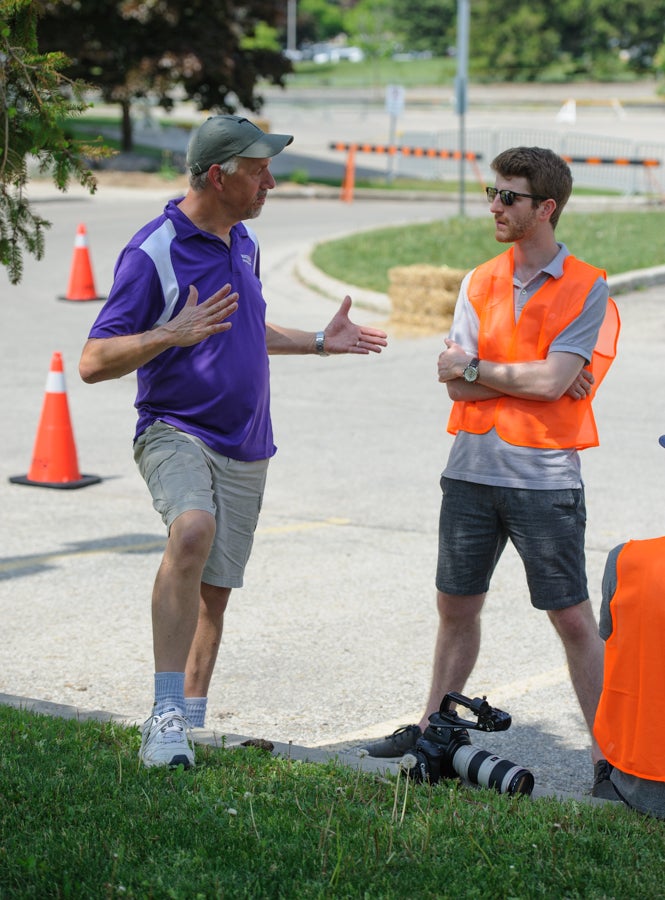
195, 711
169, 692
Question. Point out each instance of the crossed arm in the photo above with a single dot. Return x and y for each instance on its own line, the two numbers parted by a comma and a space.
543, 379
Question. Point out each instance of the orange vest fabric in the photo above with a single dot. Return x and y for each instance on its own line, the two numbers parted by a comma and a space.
629, 725
564, 423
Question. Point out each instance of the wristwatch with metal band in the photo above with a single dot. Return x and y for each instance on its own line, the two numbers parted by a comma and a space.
471, 372
320, 343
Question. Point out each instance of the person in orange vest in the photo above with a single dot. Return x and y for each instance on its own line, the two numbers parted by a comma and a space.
533, 334
632, 623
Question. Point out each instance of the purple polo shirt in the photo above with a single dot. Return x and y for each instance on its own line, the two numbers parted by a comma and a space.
219, 389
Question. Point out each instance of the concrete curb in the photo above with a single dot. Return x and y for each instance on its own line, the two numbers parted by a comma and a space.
315, 279
219, 740
639, 278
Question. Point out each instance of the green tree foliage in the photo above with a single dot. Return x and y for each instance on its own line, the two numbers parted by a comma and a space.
372, 22
530, 40
131, 49
634, 27
426, 25
600, 38
318, 20
516, 46
35, 100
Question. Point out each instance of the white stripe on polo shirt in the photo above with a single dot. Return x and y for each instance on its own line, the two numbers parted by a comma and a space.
156, 246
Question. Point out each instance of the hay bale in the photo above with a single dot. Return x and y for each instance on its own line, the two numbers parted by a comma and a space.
423, 297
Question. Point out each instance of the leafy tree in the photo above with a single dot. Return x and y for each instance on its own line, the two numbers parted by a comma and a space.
534, 39
517, 45
372, 22
634, 29
318, 20
601, 35
129, 49
35, 101
426, 24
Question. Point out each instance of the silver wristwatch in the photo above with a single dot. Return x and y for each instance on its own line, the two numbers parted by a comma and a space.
470, 374
319, 343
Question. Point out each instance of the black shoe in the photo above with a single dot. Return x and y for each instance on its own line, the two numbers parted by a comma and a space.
602, 785
396, 744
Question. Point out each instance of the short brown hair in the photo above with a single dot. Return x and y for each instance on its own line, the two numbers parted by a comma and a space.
547, 173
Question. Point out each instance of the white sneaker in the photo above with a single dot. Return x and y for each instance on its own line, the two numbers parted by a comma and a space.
166, 741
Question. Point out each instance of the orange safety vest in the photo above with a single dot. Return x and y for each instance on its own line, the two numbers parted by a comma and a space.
629, 725
559, 424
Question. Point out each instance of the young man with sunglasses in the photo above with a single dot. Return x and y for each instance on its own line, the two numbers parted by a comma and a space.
533, 334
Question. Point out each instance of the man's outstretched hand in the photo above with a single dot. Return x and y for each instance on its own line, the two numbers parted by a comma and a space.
343, 336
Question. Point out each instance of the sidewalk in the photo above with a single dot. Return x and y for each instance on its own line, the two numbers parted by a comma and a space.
328, 644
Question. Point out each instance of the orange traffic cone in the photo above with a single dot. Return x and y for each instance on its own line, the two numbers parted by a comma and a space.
348, 184
81, 280
54, 461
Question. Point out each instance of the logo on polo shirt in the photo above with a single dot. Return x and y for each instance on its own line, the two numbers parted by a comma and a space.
246, 258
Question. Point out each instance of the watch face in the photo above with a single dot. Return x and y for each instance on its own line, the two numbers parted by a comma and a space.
470, 373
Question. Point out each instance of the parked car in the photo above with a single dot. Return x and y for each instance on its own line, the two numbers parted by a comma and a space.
331, 53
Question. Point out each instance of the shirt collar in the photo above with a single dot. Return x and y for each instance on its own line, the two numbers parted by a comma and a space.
555, 267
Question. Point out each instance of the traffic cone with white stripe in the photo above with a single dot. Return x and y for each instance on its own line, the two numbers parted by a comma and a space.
54, 460
81, 280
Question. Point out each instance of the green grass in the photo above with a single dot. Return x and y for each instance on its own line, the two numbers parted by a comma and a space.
82, 819
615, 241
374, 73
414, 73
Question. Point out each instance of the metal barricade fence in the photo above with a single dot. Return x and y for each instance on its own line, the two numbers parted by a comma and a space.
629, 178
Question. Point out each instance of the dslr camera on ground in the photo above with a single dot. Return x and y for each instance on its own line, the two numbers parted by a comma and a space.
445, 751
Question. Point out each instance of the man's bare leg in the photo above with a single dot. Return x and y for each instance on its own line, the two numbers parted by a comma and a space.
578, 630
176, 594
207, 640
456, 649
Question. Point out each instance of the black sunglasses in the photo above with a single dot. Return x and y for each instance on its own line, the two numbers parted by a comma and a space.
508, 197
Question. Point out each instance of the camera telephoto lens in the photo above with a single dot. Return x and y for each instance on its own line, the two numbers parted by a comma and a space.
481, 767
449, 753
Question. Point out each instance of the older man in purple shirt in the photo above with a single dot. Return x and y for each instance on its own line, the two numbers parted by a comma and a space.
204, 435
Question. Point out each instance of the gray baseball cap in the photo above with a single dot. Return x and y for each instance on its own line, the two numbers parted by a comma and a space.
222, 137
